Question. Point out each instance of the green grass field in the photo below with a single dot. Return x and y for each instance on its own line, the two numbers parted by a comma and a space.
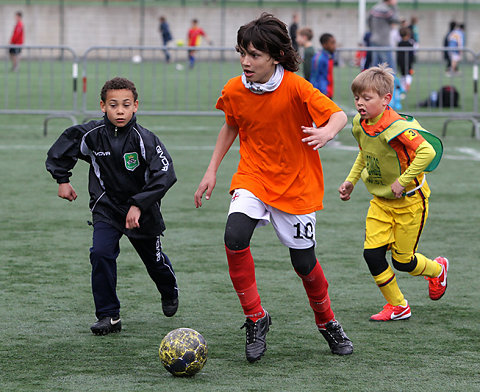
46, 304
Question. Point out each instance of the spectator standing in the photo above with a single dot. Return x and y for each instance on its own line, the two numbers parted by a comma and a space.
293, 31
322, 65
405, 59
304, 39
414, 29
446, 56
455, 42
368, 55
17, 39
164, 30
380, 20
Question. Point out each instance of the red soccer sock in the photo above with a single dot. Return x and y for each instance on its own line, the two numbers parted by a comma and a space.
242, 273
316, 286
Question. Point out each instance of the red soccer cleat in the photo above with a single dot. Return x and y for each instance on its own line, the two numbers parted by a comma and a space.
438, 285
392, 313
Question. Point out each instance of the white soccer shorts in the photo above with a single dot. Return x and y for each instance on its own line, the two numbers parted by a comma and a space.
293, 231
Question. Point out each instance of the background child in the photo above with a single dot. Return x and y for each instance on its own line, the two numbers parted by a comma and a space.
392, 159
279, 177
456, 40
304, 39
16, 39
130, 172
413, 26
405, 59
322, 65
166, 35
446, 53
194, 36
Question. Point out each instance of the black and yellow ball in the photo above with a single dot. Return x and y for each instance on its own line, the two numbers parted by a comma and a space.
183, 352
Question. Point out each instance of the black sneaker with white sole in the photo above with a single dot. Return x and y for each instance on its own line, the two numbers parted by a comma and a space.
338, 341
169, 306
107, 325
256, 343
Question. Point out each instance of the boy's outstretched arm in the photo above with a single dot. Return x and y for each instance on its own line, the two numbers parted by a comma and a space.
225, 139
63, 156
319, 137
346, 188
66, 191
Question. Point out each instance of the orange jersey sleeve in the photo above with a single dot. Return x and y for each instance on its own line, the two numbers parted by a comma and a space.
275, 165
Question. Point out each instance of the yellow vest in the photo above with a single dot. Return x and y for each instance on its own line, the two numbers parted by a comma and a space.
382, 165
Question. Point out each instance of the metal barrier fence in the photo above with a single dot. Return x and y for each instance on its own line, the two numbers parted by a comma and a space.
48, 81
165, 88
44, 83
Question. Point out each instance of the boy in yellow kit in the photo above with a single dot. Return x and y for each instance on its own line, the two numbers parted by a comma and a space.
392, 160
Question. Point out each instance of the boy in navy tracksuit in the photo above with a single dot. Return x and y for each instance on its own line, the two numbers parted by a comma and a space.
130, 172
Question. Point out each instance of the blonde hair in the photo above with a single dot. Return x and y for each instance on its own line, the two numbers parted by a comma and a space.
379, 79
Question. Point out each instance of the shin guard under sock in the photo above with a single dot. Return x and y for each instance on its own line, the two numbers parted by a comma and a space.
316, 286
242, 273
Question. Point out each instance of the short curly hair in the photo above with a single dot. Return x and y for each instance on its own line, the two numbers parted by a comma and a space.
118, 84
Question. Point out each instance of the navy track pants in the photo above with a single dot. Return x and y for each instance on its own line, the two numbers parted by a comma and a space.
103, 258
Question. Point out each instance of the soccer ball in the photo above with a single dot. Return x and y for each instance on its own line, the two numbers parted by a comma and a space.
183, 352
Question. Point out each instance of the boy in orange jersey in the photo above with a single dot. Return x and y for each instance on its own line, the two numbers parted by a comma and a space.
279, 178
392, 160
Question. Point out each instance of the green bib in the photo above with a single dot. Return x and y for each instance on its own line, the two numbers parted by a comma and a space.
435, 141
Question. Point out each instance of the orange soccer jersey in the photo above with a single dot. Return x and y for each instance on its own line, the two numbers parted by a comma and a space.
275, 165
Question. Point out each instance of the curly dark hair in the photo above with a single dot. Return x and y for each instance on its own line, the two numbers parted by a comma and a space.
118, 84
270, 35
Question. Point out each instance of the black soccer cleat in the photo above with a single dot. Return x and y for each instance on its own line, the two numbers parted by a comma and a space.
169, 306
338, 341
107, 325
256, 344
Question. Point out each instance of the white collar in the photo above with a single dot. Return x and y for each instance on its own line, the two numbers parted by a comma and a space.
271, 85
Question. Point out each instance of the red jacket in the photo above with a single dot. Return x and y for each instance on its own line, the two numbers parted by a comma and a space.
17, 35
